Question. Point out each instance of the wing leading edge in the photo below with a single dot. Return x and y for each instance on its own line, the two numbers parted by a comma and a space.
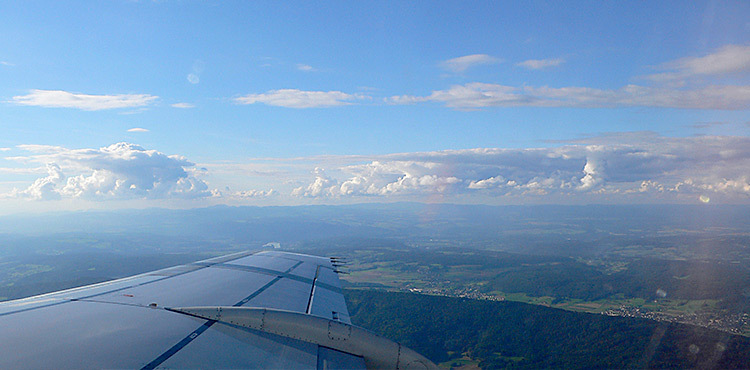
247, 310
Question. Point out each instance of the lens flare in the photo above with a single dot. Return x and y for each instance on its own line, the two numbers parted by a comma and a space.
193, 78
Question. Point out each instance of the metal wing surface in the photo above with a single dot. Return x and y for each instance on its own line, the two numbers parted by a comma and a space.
270, 310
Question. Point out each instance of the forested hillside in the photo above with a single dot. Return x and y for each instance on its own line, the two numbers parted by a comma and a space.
512, 334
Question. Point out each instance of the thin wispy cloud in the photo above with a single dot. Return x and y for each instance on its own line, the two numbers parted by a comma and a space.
137, 129
729, 59
463, 63
182, 105
677, 93
7, 64
40, 148
540, 63
478, 95
22, 171
293, 98
65, 99
305, 68
4, 149
709, 124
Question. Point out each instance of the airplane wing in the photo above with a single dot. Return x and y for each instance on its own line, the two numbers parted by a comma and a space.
270, 310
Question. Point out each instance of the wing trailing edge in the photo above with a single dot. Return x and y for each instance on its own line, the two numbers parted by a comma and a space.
378, 352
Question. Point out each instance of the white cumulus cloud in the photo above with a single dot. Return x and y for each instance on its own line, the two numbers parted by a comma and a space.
65, 99
249, 194
488, 183
44, 188
463, 63
118, 171
321, 186
293, 98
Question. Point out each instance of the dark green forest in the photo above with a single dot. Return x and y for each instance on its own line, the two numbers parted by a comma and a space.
512, 334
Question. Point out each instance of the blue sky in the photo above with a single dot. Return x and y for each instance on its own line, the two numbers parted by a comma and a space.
339, 102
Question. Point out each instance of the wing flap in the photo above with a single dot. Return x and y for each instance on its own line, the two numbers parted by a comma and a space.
377, 352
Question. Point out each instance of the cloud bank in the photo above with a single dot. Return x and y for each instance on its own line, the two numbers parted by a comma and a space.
64, 99
119, 171
616, 168
634, 167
